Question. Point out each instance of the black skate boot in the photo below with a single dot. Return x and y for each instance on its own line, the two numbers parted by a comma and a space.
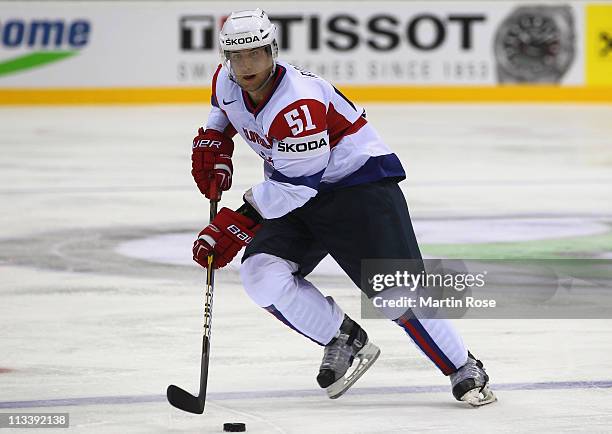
351, 342
471, 383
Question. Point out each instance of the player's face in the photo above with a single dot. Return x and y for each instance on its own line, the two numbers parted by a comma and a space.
251, 67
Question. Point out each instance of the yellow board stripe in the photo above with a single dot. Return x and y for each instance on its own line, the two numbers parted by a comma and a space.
481, 94
397, 94
104, 96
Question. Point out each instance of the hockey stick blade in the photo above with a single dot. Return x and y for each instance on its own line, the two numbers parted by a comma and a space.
184, 400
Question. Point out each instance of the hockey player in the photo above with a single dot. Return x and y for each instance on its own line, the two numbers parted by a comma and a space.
330, 187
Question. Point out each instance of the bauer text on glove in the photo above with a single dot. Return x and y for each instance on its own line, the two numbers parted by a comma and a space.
224, 237
211, 162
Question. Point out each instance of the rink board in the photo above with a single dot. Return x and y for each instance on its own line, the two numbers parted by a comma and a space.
393, 51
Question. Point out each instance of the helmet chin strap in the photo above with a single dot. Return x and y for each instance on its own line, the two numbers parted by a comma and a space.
262, 85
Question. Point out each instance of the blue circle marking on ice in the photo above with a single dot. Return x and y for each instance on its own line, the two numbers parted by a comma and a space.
175, 248
172, 248
499, 230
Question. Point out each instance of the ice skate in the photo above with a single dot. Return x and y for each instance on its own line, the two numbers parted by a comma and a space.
350, 343
471, 383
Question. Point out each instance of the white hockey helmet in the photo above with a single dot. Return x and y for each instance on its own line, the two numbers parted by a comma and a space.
244, 30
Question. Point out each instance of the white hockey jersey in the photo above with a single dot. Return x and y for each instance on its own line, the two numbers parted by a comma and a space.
310, 136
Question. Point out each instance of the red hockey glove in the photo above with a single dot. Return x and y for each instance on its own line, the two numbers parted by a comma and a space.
211, 162
224, 237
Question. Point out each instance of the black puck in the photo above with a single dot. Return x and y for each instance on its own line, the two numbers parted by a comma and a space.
234, 427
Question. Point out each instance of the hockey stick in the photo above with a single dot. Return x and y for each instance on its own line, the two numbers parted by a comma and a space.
178, 397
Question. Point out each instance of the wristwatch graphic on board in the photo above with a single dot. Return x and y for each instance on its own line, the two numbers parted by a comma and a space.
535, 44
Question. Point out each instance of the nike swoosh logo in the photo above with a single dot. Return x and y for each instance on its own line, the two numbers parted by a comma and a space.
228, 102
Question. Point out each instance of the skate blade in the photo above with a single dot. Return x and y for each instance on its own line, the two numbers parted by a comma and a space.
367, 356
478, 398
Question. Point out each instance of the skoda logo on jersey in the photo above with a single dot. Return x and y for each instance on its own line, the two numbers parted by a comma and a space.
301, 147
240, 41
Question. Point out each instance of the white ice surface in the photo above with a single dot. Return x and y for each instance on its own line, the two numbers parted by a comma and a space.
106, 335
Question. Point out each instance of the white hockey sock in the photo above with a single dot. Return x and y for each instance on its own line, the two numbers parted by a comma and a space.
271, 284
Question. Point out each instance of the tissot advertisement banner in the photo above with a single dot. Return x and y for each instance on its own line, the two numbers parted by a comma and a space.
174, 44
